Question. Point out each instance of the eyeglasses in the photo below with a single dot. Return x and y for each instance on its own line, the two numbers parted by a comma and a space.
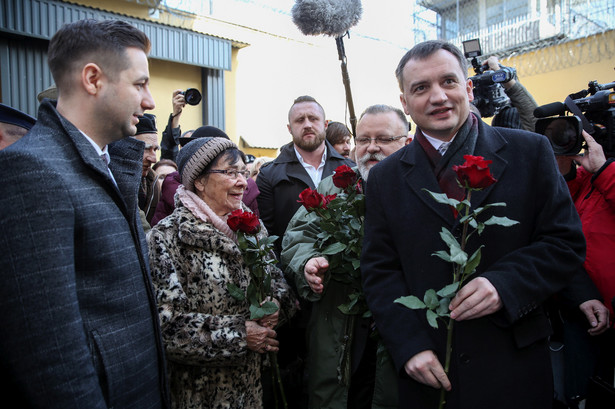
232, 173
380, 141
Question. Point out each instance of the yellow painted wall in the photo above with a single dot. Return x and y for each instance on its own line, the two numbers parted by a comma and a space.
165, 78
565, 75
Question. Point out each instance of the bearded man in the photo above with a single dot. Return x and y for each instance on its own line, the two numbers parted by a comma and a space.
381, 131
301, 163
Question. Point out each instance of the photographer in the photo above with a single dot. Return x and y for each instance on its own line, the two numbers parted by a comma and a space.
520, 99
592, 186
171, 134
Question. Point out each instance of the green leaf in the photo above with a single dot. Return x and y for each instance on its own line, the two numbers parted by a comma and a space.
235, 292
355, 224
449, 239
473, 262
269, 307
449, 291
459, 256
356, 264
256, 312
443, 310
443, 198
323, 235
431, 299
412, 302
500, 221
443, 255
432, 319
334, 248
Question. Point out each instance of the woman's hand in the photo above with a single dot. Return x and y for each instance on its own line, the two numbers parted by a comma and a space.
271, 320
261, 339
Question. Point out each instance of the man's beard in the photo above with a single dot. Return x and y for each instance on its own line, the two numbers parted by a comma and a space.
362, 163
311, 145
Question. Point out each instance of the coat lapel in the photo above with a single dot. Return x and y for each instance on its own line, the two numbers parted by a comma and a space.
489, 143
417, 174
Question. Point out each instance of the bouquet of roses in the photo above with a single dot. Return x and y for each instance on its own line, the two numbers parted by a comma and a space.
341, 232
256, 252
473, 175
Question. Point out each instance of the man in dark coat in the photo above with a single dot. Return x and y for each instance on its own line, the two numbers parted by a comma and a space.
281, 180
80, 326
301, 164
500, 357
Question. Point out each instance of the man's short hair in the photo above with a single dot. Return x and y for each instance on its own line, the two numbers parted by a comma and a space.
336, 132
383, 109
102, 42
305, 98
423, 50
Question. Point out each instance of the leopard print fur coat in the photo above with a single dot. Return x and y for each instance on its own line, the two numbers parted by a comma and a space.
203, 327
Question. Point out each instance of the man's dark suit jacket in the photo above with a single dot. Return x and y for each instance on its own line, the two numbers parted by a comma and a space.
80, 324
499, 361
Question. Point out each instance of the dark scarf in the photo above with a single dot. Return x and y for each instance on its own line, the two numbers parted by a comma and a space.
463, 144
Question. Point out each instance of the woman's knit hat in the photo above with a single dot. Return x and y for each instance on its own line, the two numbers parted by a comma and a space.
193, 158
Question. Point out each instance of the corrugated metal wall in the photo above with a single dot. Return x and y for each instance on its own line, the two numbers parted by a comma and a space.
27, 25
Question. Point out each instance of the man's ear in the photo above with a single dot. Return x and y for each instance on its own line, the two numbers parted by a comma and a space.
91, 78
469, 90
402, 99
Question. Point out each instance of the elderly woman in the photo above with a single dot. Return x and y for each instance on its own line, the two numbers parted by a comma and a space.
214, 350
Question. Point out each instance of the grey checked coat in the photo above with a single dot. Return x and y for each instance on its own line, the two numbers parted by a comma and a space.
79, 326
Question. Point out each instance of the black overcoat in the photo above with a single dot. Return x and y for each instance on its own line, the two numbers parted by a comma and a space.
502, 360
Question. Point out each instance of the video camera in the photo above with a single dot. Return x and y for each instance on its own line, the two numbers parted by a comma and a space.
489, 95
594, 113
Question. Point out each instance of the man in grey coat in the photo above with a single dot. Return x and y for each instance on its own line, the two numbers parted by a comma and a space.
80, 326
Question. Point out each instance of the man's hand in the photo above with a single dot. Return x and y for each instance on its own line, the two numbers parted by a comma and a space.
494, 65
597, 315
474, 300
314, 272
594, 159
425, 368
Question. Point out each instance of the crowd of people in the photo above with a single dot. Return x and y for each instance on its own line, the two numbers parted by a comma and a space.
126, 280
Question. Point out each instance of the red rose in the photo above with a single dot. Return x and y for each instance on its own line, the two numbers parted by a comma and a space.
327, 199
344, 176
311, 199
474, 173
245, 222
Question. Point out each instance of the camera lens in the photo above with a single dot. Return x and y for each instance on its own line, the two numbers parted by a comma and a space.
564, 136
193, 96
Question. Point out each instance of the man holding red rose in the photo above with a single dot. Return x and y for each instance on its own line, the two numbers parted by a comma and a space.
381, 130
500, 357
301, 164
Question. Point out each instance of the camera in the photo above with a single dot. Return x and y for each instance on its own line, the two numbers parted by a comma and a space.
592, 110
489, 95
192, 96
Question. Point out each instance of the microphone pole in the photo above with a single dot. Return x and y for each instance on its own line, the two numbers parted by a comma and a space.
346, 79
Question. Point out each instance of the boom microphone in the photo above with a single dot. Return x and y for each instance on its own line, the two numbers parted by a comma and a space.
554, 108
329, 17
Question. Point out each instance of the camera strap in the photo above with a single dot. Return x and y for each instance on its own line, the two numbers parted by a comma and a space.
572, 107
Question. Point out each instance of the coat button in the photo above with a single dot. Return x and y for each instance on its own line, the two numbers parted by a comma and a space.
464, 358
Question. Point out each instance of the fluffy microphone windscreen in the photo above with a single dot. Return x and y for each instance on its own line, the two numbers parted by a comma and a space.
329, 17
